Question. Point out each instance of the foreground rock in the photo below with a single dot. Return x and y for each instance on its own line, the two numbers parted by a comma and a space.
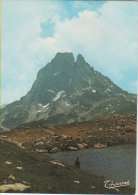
57, 163
13, 187
99, 145
72, 148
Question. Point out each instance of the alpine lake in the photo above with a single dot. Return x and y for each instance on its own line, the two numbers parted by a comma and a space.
115, 163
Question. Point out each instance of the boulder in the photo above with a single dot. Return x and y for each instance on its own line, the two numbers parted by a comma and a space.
8, 162
85, 145
64, 137
69, 140
56, 137
54, 150
93, 187
118, 127
19, 168
100, 129
41, 151
11, 177
71, 148
3, 136
57, 163
99, 145
50, 131
21, 145
78, 182
80, 146
15, 187
39, 143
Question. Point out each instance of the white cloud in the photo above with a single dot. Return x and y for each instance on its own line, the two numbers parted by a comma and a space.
107, 38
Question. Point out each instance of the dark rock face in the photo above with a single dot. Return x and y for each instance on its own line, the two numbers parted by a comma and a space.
68, 90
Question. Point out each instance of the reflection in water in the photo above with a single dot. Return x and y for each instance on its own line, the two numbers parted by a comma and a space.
117, 163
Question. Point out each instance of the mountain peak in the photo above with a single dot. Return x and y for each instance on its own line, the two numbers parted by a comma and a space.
68, 90
67, 56
80, 58
63, 57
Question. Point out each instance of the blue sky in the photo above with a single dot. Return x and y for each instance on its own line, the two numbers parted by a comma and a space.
104, 32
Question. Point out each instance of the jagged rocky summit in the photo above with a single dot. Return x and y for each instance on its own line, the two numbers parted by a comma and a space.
65, 91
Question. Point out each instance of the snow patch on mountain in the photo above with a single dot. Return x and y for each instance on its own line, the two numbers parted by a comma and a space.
59, 94
57, 73
94, 91
42, 108
46, 106
51, 91
39, 111
107, 90
67, 104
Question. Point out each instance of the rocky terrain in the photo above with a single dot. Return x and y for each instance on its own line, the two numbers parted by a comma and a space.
68, 90
29, 172
102, 132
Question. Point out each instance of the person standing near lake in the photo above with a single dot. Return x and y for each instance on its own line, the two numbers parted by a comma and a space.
77, 163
